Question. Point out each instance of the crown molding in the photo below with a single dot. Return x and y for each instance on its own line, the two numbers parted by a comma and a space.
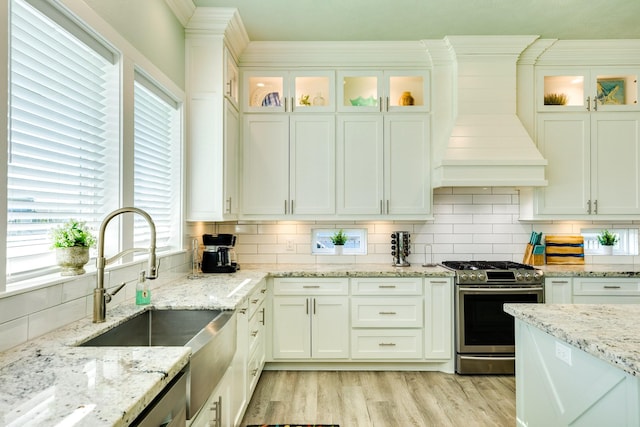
182, 9
219, 21
336, 54
592, 53
469, 46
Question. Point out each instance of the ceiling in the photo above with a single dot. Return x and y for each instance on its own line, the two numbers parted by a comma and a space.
357, 20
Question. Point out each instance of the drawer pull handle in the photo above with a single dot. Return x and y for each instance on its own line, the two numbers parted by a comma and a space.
612, 287
263, 290
559, 281
254, 333
386, 286
254, 372
387, 344
439, 281
388, 312
311, 286
242, 310
254, 301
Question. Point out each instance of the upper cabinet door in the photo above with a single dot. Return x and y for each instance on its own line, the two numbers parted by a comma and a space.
231, 79
283, 91
383, 91
265, 91
587, 89
312, 91
360, 91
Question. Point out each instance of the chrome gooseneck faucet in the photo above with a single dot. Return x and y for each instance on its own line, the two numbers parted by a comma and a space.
100, 296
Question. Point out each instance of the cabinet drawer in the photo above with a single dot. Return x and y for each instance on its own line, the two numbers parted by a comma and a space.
386, 344
387, 286
256, 329
324, 286
257, 298
401, 312
255, 365
606, 287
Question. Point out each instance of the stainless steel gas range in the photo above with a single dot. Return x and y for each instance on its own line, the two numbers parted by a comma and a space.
485, 339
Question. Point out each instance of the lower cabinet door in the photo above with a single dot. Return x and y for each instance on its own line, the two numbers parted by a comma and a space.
330, 328
291, 331
386, 344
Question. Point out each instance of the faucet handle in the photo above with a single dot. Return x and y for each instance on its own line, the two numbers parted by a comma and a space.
107, 295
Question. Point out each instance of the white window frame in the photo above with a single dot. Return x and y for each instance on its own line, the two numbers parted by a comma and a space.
321, 245
130, 59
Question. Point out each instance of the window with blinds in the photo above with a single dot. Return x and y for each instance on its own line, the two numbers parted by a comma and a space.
156, 162
63, 142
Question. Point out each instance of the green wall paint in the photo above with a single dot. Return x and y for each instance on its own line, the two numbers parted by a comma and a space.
151, 27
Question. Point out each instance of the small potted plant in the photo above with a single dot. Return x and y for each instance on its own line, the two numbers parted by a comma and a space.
607, 240
338, 239
71, 242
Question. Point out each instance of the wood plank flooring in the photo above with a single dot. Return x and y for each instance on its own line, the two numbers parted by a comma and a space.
382, 399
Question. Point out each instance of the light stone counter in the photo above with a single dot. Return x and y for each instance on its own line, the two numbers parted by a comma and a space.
48, 380
606, 331
591, 270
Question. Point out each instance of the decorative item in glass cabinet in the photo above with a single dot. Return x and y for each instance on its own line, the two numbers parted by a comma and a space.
555, 99
318, 100
364, 102
611, 91
406, 99
304, 100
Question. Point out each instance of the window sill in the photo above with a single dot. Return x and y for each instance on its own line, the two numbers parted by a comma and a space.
52, 279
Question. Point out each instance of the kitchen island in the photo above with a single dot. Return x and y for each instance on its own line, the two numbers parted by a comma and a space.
577, 364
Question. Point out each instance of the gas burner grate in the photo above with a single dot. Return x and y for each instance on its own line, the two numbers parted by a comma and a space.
486, 265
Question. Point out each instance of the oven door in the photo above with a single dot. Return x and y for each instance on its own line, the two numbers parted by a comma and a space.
482, 325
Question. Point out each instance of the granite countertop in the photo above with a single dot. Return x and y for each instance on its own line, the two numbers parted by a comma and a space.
591, 270
606, 331
49, 381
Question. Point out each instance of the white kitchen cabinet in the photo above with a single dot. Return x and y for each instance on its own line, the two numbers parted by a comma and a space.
383, 90
558, 290
212, 130
588, 88
256, 339
216, 412
606, 290
231, 79
288, 165
438, 322
387, 318
583, 150
383, 165
282, 91
310, 319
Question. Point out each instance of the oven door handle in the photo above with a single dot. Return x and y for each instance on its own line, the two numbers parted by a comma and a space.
501, 290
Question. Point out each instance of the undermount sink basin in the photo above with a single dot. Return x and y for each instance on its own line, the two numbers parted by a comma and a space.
211, 335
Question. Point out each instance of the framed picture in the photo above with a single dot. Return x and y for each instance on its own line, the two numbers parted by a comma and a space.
611, 91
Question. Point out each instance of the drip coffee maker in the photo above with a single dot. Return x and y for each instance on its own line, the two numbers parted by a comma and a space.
219, 255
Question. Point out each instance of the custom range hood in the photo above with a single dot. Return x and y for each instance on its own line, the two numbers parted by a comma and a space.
488, 145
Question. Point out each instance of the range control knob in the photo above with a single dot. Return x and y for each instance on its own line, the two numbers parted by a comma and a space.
519, 277
463, 277
482, 277
527, 276
472, 277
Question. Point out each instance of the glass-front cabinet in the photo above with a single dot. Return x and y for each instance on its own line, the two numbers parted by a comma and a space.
587, 89
284, 91
382, 91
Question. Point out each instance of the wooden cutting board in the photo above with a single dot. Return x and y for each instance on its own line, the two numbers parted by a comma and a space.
564, 249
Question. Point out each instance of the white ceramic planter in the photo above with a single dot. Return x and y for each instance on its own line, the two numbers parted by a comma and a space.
72, 260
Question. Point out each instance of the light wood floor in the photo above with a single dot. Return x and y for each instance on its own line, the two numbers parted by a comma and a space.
383, 399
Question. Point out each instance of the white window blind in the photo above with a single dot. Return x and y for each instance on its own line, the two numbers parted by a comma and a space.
156, 162
63, 142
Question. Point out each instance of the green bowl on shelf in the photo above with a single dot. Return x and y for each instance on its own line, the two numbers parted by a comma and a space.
364, 102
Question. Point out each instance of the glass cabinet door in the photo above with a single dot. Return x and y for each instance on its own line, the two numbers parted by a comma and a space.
264, 91
615, 90
383, 91
608, 89
360, 91
407, 90
312, 91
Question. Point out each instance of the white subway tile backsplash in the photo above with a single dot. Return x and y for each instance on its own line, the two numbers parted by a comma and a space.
13, 332
52, 318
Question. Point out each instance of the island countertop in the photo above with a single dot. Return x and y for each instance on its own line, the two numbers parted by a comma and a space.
606, 331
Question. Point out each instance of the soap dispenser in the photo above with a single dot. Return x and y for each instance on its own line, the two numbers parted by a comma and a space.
143, 293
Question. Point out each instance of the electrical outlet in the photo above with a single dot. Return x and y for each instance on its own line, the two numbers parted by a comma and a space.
563, 353
290, 245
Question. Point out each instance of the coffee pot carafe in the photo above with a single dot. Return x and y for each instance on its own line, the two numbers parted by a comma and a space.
400, 248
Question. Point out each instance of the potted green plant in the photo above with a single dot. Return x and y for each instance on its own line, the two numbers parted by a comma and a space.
607, 240
72, 241
338, 239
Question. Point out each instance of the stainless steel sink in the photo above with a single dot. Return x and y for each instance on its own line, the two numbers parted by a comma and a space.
211, 334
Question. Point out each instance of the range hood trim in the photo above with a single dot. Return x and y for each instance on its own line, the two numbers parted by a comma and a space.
488, 144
